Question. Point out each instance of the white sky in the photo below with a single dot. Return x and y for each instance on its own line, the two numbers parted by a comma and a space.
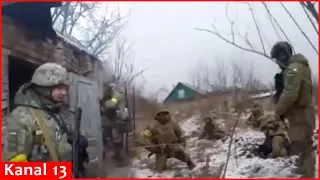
165, 38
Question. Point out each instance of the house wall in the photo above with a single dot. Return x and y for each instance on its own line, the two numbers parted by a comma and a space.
26, 44
5, 84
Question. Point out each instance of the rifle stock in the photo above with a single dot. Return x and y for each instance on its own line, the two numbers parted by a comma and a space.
75, 143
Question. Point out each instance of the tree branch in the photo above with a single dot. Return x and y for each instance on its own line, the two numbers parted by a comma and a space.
307, 14
274, 19
257, 27
304, 34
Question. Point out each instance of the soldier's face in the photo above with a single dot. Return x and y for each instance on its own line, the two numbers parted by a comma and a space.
59, 93
282, 59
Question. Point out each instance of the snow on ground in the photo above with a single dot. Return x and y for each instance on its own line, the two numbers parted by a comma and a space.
210, 157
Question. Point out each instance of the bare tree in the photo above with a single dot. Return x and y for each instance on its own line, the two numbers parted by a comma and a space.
308, 16
123, 66
96, 32
200, 77
249, 47
273, 20
296, 23
311, 7
220, 81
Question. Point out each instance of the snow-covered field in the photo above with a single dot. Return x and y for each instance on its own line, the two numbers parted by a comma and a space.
211, 156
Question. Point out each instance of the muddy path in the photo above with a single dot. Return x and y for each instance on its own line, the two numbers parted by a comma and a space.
114, 169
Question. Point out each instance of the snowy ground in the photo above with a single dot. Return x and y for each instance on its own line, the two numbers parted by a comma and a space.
210, 158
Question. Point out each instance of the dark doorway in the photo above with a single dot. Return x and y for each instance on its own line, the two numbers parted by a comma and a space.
20, 72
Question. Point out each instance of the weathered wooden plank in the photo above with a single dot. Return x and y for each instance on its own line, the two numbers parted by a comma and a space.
4, 104
4, 112
5, 88
4, 95
4, 78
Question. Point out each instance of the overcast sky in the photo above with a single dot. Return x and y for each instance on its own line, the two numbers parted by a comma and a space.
164, 37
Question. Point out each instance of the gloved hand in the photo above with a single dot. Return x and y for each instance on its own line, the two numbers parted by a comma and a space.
19, 158
83, 145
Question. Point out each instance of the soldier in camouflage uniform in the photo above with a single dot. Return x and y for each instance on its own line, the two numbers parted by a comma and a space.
276, 142
295, 104
162, 138
36, 129
256, 113
211, 130
115, 115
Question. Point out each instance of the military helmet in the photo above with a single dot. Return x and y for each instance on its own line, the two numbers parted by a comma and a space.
163, 112
50, 74
280, 46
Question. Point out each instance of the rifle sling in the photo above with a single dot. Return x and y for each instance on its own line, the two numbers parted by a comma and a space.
45, 131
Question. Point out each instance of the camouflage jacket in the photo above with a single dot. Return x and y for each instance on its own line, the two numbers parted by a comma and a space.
167, 133
297, 90
109, 108
22, 134
271, 126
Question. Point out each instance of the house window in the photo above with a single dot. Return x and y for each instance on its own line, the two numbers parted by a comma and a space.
181, 94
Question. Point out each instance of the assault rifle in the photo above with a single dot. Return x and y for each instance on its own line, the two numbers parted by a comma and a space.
279, 85
75, 143
129, 118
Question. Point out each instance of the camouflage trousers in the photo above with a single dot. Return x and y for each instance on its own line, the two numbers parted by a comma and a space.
307, 159
275, 146
160, 163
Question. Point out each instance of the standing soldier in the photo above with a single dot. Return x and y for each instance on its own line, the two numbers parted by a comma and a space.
295, 104
162, 138
113, 107
36, 129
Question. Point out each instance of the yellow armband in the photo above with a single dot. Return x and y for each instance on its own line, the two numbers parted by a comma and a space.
114, 100
19, 158
147, 133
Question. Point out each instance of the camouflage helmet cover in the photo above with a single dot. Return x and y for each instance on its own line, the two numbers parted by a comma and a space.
163, 112
50, 74
281, 45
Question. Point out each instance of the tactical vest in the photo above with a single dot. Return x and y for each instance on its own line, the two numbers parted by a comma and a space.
166, 133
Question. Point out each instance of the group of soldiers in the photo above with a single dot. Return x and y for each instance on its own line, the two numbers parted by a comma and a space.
37, 130
289, 129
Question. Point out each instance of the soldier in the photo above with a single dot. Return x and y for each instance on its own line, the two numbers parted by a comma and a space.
106, 123
36, 129
211, 130
116, 115
256, 113
295, 104
276, 142
162, 139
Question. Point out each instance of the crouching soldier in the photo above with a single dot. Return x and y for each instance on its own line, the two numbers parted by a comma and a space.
211, 130
163, 138
256, 113
277, 143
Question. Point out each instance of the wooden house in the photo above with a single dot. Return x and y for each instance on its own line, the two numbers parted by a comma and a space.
182, 92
